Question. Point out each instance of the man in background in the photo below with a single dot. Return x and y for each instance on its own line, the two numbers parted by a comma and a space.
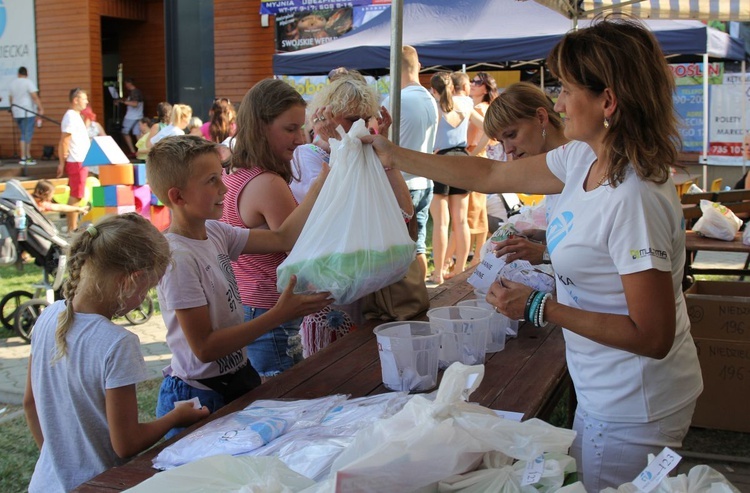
74, 145
133, 114
25, 96
419, 119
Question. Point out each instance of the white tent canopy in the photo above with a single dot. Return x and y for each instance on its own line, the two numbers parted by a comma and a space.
721, 10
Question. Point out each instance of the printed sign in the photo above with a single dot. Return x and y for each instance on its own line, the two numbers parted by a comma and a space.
275, 7
17, 44
727, 127
691, 74
688, 102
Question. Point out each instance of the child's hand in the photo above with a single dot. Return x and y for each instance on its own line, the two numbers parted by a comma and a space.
298, 305
186, 414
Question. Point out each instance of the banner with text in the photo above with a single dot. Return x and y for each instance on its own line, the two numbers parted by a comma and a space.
688, 102
691, 74
308, 85
726, 124
305, 28
275, 7
17, 43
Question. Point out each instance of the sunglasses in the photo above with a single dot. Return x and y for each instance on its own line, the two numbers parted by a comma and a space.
477, 82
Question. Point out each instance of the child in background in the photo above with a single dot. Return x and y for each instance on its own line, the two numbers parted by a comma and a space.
198, 295
43, 192
80, 398
142, 144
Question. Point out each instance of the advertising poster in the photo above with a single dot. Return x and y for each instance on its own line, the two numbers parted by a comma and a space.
688, 102
308, 85
691, 74
17, 43
726, 124
275, 7
300, 29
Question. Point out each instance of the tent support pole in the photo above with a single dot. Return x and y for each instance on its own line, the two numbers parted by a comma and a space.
704, 157
397, 30
744, 116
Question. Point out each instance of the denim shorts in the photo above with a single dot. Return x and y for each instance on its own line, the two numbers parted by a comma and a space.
173, 389
276, 350
26, 127
421, 200
130, 126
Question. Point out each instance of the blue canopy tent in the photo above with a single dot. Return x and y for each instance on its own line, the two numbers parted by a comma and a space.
452, 33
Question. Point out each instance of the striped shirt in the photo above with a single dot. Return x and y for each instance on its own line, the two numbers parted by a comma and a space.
255, 273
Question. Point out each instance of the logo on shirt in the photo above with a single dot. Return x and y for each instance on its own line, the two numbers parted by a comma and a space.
233, 292
648, 252
558, 229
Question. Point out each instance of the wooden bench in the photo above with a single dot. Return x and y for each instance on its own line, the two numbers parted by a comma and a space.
59, 183
529, 376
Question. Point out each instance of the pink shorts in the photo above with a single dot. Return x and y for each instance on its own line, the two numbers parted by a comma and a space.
77, 174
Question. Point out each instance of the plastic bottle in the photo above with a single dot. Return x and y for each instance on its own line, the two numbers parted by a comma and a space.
19, 215
38, 123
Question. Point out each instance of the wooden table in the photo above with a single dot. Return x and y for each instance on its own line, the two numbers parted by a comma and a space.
695, 243
528, 376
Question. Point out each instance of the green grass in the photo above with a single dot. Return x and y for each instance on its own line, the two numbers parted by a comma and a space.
19, 452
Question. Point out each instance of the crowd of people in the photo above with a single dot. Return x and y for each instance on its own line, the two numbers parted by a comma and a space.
605, 168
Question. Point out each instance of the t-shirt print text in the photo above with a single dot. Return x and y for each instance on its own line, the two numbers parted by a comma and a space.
648, 252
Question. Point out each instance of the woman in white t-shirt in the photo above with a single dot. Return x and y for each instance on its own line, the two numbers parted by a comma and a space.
617, 244
523, 119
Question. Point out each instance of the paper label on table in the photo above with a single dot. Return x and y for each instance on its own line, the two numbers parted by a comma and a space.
513, 416
486, 272
657, 470
533, 471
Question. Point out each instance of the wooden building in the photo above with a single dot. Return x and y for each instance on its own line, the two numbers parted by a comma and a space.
187, 51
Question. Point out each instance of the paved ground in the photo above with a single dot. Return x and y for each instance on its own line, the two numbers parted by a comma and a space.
14, 352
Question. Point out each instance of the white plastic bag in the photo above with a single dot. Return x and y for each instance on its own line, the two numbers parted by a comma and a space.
717, 222
700, 479
428, 441
355, 240
225, 474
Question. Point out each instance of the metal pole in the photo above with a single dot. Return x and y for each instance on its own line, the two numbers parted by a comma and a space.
397, 30
744, 117
704, 157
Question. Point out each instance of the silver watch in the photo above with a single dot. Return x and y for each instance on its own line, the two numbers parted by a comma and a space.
545, 256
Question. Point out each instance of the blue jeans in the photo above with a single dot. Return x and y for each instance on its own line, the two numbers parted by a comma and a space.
26, 127
421, 200
173, 389
278, 349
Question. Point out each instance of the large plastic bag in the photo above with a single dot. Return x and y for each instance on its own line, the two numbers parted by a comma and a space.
700, 479
224, 474
243, 431
428, 441
717, 221
355, 240
495, 474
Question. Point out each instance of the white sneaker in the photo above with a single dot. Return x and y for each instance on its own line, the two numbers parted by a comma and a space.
22, 162
30, 162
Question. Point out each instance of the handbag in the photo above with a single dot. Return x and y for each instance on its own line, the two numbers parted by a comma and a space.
402, 300
233, 385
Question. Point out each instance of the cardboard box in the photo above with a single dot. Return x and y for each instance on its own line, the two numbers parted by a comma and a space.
724, 403
720, 324
719, 310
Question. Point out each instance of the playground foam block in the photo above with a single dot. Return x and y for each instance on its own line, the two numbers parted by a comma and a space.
139, 174
160, 217
116, 174
113, 196
155, 200
94, 214
142, 196
122, 209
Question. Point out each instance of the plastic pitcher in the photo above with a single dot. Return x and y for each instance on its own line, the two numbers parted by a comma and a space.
408, 355
498, 325
512, 328
463, 333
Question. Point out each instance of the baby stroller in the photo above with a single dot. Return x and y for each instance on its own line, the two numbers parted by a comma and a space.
20, 309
